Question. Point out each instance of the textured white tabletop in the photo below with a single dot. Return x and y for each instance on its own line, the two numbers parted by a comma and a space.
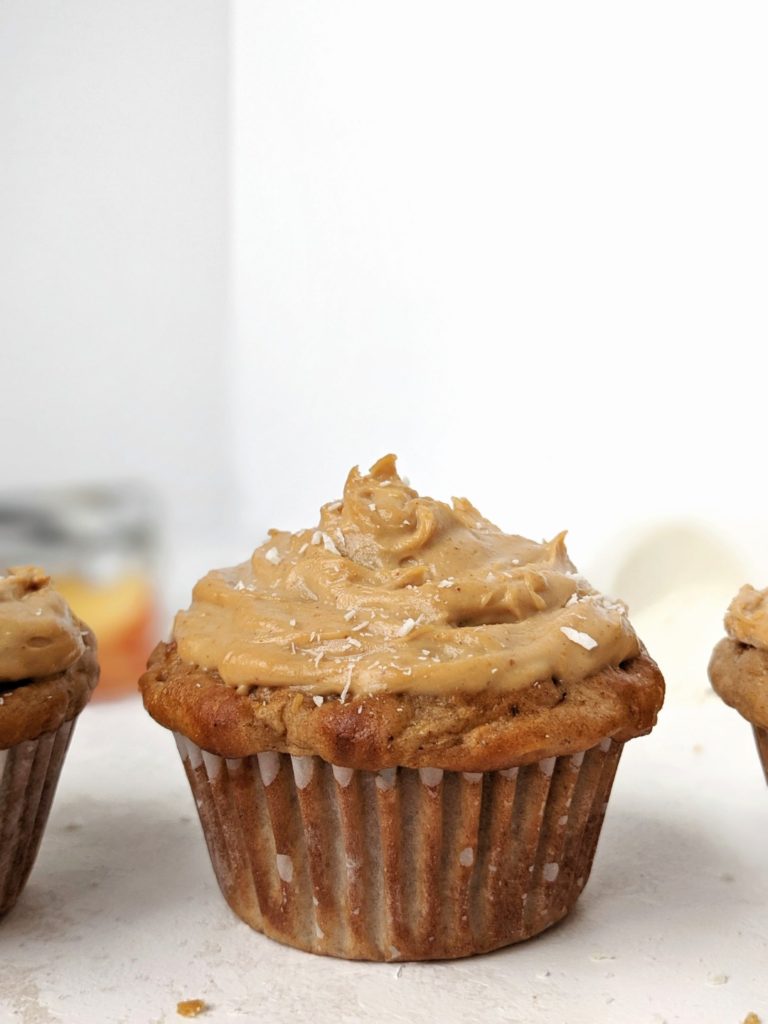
122, 918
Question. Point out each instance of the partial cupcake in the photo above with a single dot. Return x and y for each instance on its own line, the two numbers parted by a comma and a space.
401, 727
48, 669
738, 668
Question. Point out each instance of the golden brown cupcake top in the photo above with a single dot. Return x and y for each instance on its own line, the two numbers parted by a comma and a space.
393, 592
38, 633
738, 668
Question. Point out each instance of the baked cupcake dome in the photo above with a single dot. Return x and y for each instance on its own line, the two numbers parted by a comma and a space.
401, 727
738, 669
48, 669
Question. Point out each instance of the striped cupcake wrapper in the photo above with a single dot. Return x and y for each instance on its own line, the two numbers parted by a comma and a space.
761, 739
400, 864
29, 773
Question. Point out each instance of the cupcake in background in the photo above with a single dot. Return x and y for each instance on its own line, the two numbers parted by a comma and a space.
48, 670
401, 727
738, 669
99, 545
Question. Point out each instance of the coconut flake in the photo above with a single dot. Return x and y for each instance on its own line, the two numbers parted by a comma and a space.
272, 555
350, 614
407, 626
582, 639
444, 584
318, 699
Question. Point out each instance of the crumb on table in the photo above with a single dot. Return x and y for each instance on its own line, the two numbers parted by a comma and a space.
193, 1008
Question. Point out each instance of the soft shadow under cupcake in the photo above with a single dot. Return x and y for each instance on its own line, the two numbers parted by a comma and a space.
119, 864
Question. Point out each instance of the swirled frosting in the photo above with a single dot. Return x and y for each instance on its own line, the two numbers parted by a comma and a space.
393, 591
38, 635
747, 617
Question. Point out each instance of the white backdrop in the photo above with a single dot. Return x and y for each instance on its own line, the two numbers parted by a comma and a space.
113, 248
523, 245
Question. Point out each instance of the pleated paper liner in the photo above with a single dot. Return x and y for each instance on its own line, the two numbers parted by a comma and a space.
400, 864
29, 773
761, 738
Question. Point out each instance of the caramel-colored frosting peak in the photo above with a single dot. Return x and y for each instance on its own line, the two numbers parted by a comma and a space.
747, 617
393, 591
38, 635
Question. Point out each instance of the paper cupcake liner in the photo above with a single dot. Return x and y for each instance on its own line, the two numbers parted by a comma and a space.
29, 773
761, 738
400, 864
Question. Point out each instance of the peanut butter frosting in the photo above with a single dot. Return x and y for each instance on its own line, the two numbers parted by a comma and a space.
747, 617
394, 592
738, 668
38, 633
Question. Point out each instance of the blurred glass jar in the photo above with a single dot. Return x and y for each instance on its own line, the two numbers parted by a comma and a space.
100, 545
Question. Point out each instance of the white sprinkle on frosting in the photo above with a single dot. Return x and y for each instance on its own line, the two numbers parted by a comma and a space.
582, 639
328, 544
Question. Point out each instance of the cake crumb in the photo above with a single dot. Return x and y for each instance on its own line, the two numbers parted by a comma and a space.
191, 1007
752, 1018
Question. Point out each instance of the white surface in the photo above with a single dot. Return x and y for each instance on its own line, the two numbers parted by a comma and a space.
523, 245
122, 917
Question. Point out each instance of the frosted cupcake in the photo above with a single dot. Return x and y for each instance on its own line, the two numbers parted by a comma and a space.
401, 727
738, 668
48, 670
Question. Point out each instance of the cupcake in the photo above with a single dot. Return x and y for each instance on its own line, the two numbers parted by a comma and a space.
738, 669
48, 669
401, 727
